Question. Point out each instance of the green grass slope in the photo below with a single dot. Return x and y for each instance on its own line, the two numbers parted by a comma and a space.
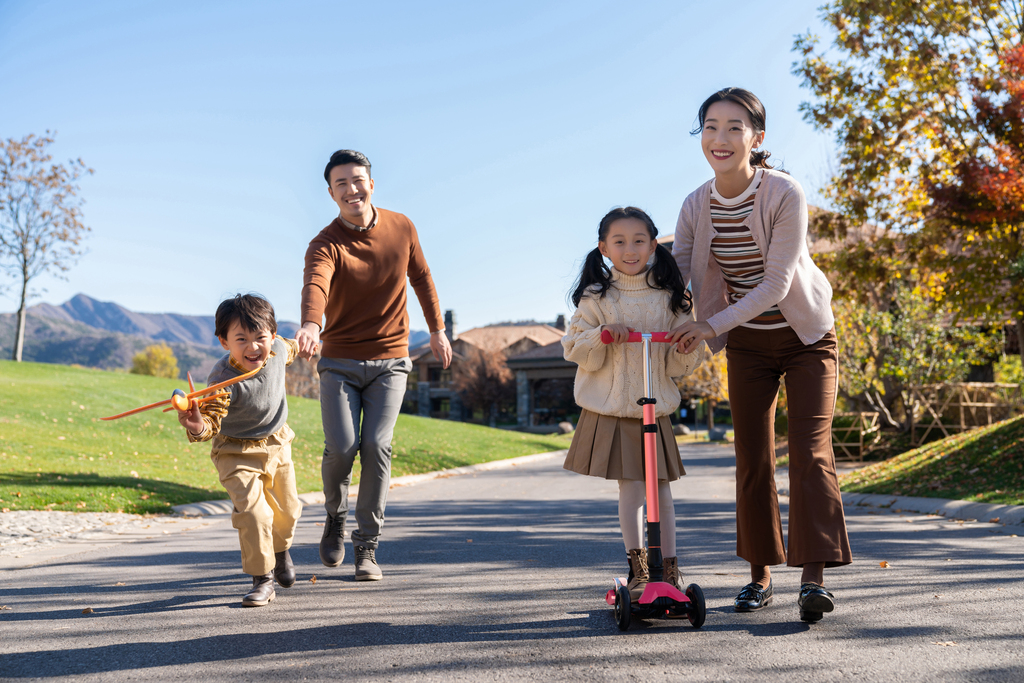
985, 465
56, 454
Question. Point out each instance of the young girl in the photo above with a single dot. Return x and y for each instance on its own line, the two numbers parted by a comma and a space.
629, 296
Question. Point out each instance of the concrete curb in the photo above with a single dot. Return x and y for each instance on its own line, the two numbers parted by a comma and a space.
952, 509
223, 506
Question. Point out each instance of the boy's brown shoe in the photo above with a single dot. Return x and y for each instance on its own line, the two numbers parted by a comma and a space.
262, 591
332, 543
284, 570
366, 565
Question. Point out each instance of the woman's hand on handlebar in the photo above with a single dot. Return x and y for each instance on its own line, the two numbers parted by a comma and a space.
689, 335
619, 332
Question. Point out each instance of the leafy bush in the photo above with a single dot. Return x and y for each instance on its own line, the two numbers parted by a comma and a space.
157, 361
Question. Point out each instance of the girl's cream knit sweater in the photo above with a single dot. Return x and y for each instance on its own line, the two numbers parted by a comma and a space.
610, 379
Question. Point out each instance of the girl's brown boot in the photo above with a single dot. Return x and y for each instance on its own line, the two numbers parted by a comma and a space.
638, 576
672, 577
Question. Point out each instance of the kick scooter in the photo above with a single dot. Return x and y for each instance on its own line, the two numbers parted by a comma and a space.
659, 600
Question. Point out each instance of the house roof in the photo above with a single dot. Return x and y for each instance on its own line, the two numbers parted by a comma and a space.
500, 337
552, 351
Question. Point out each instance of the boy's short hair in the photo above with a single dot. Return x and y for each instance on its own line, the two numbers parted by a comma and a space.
252, 311
346, 156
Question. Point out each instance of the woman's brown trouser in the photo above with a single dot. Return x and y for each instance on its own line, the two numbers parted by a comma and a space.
758, 360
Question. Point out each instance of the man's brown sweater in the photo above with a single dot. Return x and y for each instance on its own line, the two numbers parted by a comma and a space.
357, 280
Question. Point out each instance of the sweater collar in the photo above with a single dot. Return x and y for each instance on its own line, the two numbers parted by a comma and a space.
630, 283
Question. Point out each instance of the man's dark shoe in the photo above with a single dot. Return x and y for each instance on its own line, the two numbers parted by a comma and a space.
262, 591
753, 597
814, 600
332, 543
366, 565
284, 570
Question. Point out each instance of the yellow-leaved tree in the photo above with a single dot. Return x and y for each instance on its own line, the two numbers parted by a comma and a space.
157, 360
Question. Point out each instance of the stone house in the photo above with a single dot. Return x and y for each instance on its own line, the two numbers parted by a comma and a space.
429, 392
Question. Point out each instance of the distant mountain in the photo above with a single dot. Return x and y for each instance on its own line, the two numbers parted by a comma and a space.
67, 342
168, 327
103, 334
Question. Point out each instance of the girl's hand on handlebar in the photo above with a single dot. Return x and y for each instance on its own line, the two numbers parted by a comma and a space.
689, 335
619, 332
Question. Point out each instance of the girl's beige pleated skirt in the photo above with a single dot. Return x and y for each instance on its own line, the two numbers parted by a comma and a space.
610, 447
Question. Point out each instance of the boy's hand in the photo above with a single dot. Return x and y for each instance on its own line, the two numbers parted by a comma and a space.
619, 332
192, 419
308, 338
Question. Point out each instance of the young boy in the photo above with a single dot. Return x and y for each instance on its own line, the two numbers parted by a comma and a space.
252, 441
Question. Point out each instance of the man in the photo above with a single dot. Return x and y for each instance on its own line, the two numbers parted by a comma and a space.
355, 280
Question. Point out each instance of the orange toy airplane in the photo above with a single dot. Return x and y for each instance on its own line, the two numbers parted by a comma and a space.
182, 401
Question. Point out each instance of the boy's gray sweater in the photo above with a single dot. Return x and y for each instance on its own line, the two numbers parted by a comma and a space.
258, 406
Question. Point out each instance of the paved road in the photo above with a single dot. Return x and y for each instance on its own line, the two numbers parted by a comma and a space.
500, 576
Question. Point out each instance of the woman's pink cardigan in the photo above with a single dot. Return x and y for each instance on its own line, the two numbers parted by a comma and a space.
778, 225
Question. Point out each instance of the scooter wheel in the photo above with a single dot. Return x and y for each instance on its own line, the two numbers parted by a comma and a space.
697, 608
623, 608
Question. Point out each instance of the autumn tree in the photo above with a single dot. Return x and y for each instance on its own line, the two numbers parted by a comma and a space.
40, 216
897, 88
980, 203
157, 361
914, 342
709, 382
484, 381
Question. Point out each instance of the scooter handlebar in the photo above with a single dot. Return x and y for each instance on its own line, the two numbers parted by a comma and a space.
606, 337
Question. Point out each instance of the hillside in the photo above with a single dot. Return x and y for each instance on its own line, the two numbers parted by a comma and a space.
985, 465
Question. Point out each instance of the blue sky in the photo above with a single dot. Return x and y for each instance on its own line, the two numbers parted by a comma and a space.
504, 130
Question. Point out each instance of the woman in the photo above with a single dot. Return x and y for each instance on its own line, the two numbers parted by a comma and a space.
741, 244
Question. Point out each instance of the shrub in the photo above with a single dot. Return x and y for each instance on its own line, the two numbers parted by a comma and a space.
157, 360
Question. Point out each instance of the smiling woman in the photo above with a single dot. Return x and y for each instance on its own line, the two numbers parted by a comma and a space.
741, 244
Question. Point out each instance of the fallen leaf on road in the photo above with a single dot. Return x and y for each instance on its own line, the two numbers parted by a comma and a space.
3, 607
6, 510
994, 520
312, 579
119, 583
883, 564
945, 643
318, 523
938, 595
87, 610
469, 540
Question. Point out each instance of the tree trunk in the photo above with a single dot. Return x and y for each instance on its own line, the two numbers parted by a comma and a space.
19, 333
711, 414
494, 415
1020, 338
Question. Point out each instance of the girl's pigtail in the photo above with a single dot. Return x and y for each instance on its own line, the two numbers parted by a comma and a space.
594, 272
664, 274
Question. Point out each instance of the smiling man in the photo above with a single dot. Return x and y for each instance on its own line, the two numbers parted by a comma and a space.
354, 301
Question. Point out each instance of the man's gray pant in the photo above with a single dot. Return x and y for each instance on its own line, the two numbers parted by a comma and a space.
375, 389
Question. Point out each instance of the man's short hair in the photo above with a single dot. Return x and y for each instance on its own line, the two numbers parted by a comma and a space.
346, 156
252, 311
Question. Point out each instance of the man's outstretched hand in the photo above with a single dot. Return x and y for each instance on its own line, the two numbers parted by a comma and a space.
308, 338
441, 348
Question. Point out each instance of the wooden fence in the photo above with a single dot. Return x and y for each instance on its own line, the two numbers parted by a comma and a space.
952, 408
855, 435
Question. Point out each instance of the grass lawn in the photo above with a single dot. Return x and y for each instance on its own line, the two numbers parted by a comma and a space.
56, 454
985, 465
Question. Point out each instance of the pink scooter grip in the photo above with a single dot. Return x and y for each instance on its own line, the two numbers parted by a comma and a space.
606, 337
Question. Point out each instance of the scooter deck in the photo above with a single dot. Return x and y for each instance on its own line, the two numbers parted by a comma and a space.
657, 594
